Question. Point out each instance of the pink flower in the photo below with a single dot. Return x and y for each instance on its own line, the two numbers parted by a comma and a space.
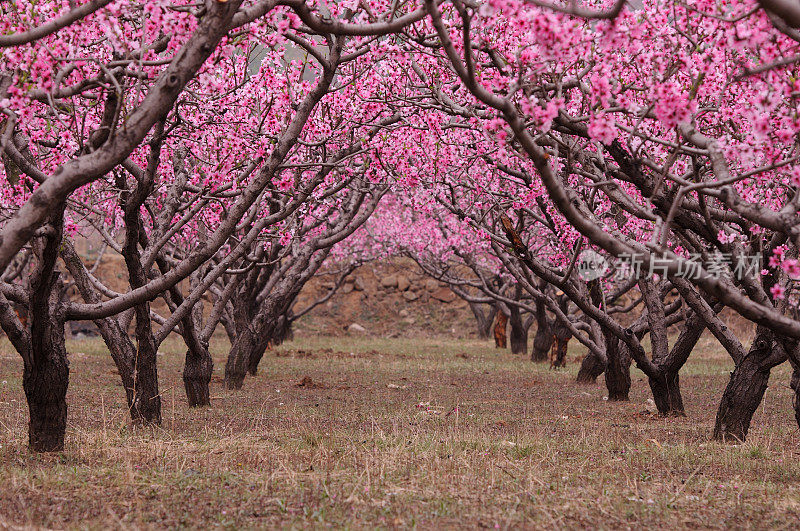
778, 292
602, 129
761, 126
795, 176
672, 105
792, 268
724, 237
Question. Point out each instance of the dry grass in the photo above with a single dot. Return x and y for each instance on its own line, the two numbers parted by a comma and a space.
527, 447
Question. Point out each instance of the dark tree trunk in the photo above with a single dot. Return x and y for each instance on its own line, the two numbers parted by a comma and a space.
146, 406
257, 354
483, 319
795, 385
561, 337
543, 339
500, 340
283, 330
46, 369
667, 394
197, 370
229, 327
667, 390
519, 333
559, 353
137, 370
592, 366
45, 382
239, 358
142, 398
746, 388
618, 371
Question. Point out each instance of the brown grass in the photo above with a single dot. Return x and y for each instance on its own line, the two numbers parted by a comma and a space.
429, 433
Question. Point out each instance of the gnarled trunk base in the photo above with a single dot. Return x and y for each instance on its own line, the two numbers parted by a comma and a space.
591, 367
746, 388
46, 392
618, 371
667, 395
197, 371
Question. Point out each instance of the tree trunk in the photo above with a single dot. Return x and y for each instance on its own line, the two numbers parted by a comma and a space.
229, 327
618, 371
283, 330
137, 370
667, 395
239, 358
561, 337
46, 369
667, 390
795, 385
543, 339
45, 382
591, 367
257, 353
146, 405
197, 370
500, 330
558, 355
746, 388
483, 319
519, 334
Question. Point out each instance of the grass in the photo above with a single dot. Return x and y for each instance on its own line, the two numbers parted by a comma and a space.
426, 433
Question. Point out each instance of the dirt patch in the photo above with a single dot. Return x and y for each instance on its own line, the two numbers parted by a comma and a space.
309, 383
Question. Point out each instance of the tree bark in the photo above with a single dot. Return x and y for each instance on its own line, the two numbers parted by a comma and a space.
518, 333
500, 340
561, 337
591, 367
618, 371
261, 346
197, 369
543, 339
45, 381
667, 390
667, 394
46, 369
483, 319
239, 358
795, 385
746, 387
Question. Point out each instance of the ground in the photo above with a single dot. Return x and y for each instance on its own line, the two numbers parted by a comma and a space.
372, 432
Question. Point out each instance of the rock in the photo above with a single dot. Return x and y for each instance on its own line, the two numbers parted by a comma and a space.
347, 288
350, 280
444, 295
409, 320
403, 283
431, 285
356, 328
403, 313
328, 285
410, 296
358, 284
389, 282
